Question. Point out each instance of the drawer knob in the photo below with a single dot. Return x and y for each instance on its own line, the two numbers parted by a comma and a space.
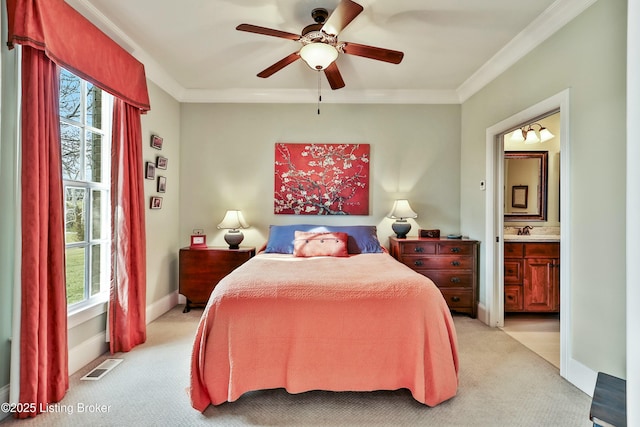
455, 280
455, 250
455, 299
455, 263
418, 249
418, 263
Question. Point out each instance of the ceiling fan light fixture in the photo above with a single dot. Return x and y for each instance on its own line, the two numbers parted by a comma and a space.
318, 56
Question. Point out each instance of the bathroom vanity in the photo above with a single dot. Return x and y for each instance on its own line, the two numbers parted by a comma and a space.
531, 275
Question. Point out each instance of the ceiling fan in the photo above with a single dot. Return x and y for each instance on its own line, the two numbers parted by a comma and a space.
320, 43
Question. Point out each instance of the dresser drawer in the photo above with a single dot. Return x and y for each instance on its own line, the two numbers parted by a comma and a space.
408, 248
447, 279
454, 248
458, 298
439, 262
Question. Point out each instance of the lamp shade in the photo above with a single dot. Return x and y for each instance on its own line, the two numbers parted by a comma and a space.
318, 55
545, 135
401, 210
233, 220
532, 138
517, 136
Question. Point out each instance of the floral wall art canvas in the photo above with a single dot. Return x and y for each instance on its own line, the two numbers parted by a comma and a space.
321, 179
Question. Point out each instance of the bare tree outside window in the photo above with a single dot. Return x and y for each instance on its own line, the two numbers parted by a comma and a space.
84, 137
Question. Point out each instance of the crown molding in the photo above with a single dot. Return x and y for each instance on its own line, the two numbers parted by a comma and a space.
551, 20
153, 70
309, 96
540, 29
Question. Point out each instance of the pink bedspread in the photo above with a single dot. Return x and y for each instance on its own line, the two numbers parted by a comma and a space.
361, 323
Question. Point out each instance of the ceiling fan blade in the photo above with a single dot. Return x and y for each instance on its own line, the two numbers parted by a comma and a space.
279, 65
344, 13
267, 31
333, 76
378, 53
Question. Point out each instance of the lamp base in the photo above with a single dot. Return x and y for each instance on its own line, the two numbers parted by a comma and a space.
234, 238
401, 227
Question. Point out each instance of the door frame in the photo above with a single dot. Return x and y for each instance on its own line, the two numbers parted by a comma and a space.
494, 218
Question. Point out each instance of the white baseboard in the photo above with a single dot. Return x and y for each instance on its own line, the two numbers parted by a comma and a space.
483, 314
87, 351
581, 376
161, 306
4, 398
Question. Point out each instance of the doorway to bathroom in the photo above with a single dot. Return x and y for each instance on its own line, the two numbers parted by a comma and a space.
531, 234
528, 325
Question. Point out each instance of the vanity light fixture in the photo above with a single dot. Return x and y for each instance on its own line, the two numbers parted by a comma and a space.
232, 221
529, 135
400, 212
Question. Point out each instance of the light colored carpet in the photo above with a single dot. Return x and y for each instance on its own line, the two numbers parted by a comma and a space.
502, 383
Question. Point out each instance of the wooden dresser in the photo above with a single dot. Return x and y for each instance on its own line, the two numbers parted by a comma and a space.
202, 269
452, 264
531, 277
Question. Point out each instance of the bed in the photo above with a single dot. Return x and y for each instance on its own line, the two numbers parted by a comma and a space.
355, 320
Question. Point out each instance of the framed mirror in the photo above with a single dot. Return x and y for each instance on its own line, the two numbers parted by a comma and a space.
525, 180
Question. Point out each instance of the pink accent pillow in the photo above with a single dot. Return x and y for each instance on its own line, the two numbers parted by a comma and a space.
308, 244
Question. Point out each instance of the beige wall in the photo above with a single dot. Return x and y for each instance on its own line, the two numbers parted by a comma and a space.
163, 238
227, 162
587, 56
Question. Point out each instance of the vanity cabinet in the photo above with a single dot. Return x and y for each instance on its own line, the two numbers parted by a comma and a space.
532, 277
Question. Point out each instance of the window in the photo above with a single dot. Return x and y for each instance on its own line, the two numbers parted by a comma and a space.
85, 124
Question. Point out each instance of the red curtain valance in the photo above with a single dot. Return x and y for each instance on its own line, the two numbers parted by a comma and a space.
74, 43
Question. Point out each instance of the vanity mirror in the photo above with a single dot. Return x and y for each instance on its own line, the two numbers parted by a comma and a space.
525, 180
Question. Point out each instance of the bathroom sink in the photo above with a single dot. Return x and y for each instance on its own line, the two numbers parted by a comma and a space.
532, 238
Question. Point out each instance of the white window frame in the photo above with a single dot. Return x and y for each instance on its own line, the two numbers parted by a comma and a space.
92, 306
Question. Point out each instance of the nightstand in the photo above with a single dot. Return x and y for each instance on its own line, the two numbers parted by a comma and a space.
452, 264
202, 269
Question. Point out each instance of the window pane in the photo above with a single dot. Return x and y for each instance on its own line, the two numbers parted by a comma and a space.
74, 214
94, 106
96, 214
75, 274
94, 157
69, 96
71, 151
95, 269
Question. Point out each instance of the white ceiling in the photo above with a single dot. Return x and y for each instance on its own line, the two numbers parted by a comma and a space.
452, 47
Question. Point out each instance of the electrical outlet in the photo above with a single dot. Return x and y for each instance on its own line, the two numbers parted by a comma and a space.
483, 185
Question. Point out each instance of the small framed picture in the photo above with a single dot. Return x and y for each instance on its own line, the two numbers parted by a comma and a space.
150, 171
161, 162
519, 196
162, 184
156, 142
156, 202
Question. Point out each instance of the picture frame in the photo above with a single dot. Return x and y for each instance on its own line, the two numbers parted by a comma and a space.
156, 142
519, 196
156, 202
162, 184
150, 171
161, 162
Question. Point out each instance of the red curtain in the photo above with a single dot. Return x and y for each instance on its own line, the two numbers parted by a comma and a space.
52, 29
76, 44
44, 376
127, 303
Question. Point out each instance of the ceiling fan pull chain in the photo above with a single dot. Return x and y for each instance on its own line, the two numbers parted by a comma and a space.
319, 92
